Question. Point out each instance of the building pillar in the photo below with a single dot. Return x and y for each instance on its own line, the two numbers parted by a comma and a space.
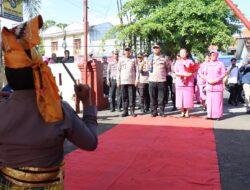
91, 74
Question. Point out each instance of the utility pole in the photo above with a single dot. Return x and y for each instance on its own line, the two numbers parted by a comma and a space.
119, 8
85, 37
91, 70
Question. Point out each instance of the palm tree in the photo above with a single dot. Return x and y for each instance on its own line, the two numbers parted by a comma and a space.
32, 7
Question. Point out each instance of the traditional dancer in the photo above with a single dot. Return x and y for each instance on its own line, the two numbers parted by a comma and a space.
34, 120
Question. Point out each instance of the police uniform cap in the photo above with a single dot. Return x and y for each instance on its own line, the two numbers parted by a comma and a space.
156, 45
140, 55
127, 48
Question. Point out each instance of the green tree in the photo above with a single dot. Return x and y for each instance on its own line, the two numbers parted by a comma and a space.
193, 24
48, 23
31, 7
61, 25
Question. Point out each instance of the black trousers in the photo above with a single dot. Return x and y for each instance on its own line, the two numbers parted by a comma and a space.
128, 96
144, 96
115, 93
157, 91
239, 94
233, 89
170, 88
105, 87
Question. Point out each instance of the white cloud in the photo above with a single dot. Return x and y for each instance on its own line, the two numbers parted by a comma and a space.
95, 18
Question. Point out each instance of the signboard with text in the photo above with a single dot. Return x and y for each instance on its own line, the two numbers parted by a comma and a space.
12, 10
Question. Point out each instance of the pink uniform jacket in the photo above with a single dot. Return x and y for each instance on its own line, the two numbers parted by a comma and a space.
180, 70
200, 74
215, 71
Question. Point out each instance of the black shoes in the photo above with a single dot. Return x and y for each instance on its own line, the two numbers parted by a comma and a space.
209, 118
154, 114
132, 112
174, 109
125, 114
162, 114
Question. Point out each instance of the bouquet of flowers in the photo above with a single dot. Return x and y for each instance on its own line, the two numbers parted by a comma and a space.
191, 68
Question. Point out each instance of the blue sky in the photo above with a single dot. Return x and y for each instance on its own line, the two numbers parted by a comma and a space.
72, 11
244, 6
68, 11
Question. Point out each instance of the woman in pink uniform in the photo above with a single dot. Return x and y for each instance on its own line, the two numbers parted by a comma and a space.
214, 73
201, 82
184, 84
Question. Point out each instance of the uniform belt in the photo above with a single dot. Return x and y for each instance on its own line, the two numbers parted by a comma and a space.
34, 177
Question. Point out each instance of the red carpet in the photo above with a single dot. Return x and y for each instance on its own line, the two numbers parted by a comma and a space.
145, 154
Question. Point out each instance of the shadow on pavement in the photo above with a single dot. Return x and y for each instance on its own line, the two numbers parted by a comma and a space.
102, 127
108, 117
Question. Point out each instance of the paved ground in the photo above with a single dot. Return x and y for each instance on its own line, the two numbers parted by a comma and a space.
232, 135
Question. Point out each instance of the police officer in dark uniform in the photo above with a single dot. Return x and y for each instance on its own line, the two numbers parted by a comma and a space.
158, 69
126, 78
142, 83
112, 82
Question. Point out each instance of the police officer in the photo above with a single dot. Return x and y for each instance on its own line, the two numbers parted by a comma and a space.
104, 75
126, 76
142, 82
158, 69
112, 82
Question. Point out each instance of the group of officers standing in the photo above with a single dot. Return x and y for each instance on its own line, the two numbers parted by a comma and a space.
156, 75
147, 74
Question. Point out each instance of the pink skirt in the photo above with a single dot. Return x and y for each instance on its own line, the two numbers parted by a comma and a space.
185, 97
214, 104
202, 92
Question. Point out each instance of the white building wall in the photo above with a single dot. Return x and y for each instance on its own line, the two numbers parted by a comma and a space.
244, 55
67, 87
74, 31
47, 47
